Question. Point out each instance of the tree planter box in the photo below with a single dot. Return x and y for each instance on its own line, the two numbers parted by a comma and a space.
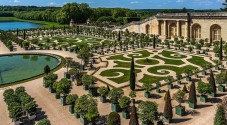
188, 78
66, 75
196, 76
203, 98
221, 88
63, 100
11, 49
103, 99
216, 54
216, 68
72, 78
71, 50
167, 120
160, 123
51, 90
26, 48
115, 107
78, 82
204, 73
71, 109
57, 96
197, 52
93, 91
170, 86
192, 105
178, 82
158, 90
144, 123
76, 115
85, 87
212, 94
125, 114
147, 94
180, 110
83, 120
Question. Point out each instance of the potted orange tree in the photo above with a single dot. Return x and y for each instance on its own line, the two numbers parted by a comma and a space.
179, 96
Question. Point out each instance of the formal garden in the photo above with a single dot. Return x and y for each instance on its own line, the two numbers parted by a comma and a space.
140, 77
152, 66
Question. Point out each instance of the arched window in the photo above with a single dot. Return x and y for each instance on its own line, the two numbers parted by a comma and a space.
173, 30
147, 29
196, 31
215, 32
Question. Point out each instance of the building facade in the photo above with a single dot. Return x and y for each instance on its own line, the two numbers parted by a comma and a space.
202, 25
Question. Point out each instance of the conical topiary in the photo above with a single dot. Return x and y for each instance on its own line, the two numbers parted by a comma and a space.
132, 75
220, 52
192, 95
168, 113
212, 83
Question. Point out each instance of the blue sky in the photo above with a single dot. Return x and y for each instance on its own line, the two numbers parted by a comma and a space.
133, 4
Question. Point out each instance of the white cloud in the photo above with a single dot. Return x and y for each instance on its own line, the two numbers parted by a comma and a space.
135, 2
52, 3
179, 1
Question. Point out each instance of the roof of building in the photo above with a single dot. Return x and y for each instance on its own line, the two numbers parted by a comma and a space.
193, 15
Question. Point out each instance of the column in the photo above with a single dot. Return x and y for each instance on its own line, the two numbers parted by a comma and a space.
186, 29
159, 28
165, 30
178, 28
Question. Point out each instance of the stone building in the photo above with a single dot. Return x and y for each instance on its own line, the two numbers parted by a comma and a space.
198, 25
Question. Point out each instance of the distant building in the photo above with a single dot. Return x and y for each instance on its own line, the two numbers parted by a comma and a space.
72, 23
198, 25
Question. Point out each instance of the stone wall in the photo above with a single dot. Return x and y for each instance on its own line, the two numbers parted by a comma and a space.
205, 20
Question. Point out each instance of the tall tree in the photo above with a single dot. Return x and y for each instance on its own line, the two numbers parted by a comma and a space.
154, 40
24, 36
219, 118
212, 83
17, 32
168, 113
225, 6
220, 52
133, 116
192, 94
132, 75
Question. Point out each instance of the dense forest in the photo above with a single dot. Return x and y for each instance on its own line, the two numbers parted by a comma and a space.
82, 12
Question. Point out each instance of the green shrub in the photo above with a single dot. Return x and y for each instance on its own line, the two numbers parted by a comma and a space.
114, 119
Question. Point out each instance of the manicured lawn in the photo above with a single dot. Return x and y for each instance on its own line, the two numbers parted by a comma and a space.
199, 61
125, 64
144, 53
113, 72
46, 24
147, 61
169, 53
151, 79
119, 57
169, 61
178, 70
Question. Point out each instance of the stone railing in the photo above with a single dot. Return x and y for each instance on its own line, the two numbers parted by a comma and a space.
136, 23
